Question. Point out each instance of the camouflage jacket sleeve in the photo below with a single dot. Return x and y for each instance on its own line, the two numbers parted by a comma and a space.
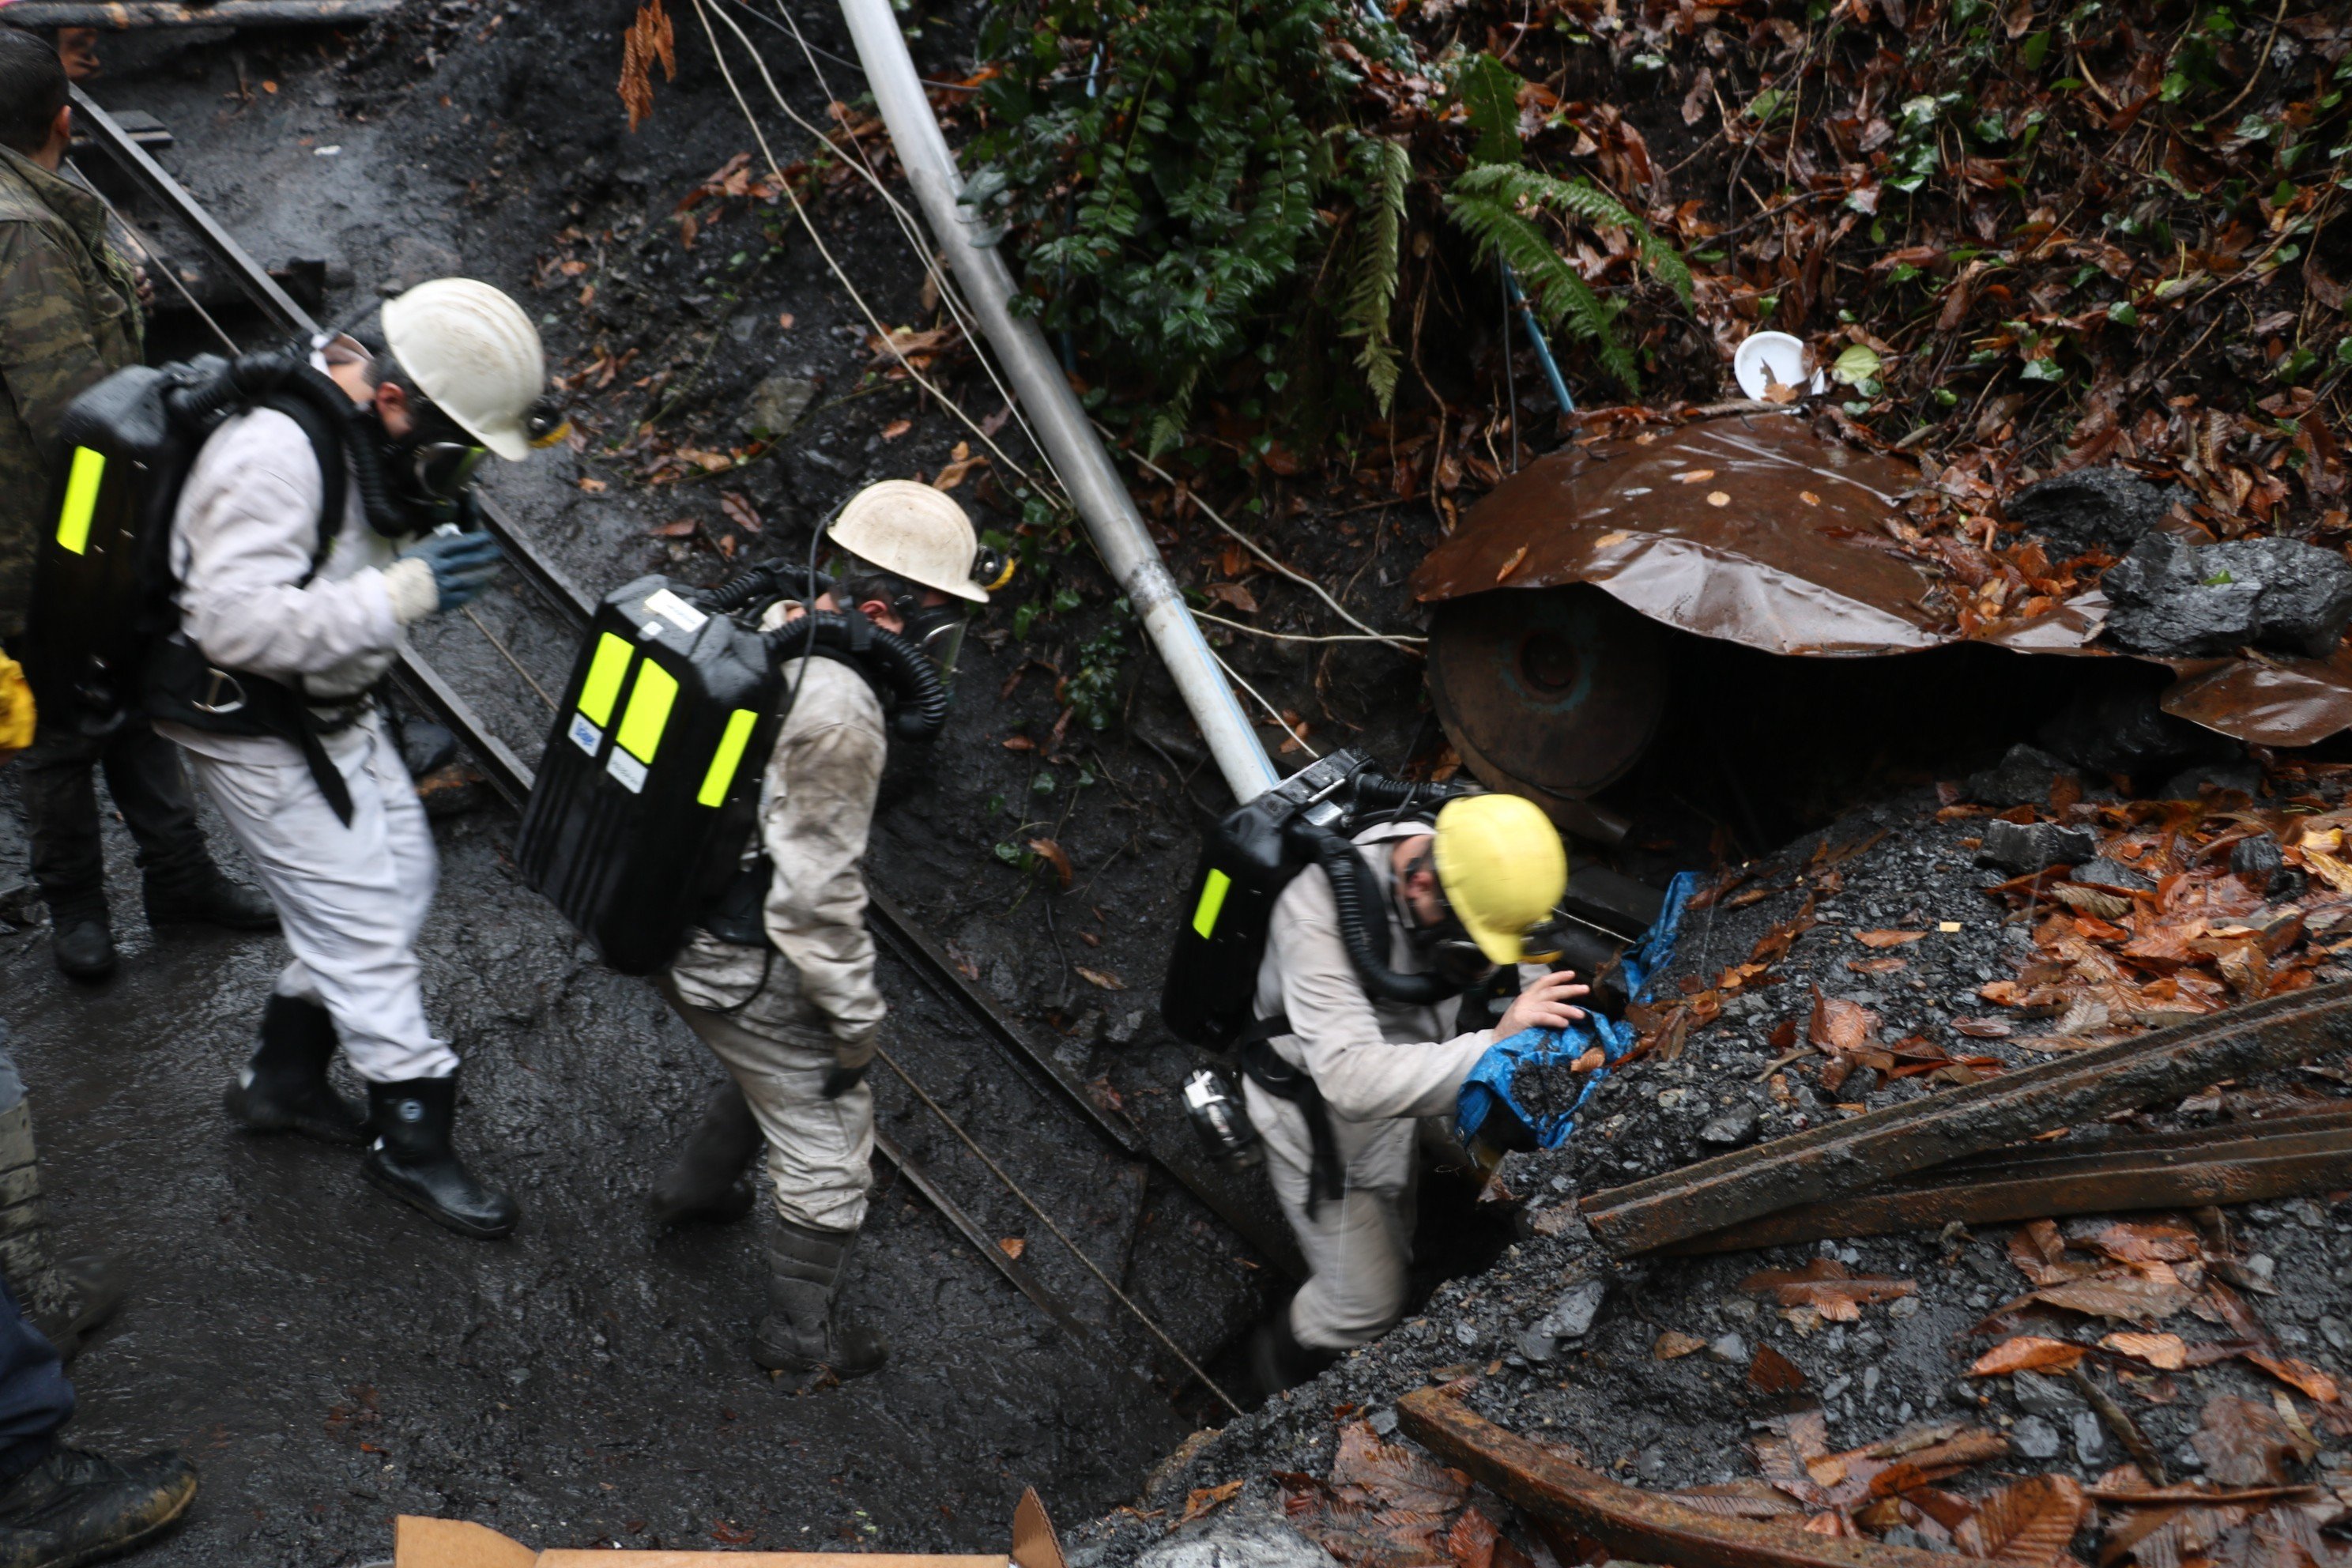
47, 354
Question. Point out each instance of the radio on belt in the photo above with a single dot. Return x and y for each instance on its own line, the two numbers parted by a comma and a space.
647, 788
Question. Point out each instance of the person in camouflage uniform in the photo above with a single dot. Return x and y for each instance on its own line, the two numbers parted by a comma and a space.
69, 315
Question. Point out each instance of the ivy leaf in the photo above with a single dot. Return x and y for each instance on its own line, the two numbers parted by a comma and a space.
1857, 365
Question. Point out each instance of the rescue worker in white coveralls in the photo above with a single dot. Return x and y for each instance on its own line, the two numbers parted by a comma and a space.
286, 626
1336, 1093
794, 1018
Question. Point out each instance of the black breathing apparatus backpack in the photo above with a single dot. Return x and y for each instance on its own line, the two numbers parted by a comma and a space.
1246, 860
103, 644
648, 790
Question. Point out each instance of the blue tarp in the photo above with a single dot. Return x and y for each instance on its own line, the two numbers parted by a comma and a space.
1490, 1084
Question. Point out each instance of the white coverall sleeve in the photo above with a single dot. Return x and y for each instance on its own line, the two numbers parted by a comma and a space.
248, 528
1363, 1076
821, 789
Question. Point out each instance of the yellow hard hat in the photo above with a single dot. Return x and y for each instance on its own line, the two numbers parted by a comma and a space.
1503, 867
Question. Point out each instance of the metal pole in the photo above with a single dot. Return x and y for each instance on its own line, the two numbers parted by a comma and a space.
1070, 443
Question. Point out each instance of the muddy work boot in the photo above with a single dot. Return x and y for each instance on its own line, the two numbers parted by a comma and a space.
67, 1301
800, 1336
82, 943
1279, 1362
705, 1183
205, 898
413, 1159
284, 1088
73, 1507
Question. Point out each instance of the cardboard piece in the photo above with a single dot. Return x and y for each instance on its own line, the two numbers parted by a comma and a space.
419, 1543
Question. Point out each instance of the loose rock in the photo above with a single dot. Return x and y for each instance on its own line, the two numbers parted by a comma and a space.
2175, 599
2022, 846
2108, 509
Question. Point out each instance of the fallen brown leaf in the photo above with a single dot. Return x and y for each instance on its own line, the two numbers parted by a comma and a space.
2026, 1352
2028, 1523
1673, 1345
1825, 1285
896, 428
1102, 978
1887, 938
2166, 1353
1013, 1247
2243, 1444
2308, 1380
1053, 855
1201, 1501
1772, 1372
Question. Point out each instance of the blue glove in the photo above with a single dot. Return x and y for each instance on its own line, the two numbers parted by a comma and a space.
462, 564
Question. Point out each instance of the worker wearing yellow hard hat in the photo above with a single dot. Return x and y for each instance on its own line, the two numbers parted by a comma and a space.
1359, 1034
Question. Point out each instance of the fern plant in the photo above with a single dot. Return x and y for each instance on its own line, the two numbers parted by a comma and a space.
1495, 205
1372, 276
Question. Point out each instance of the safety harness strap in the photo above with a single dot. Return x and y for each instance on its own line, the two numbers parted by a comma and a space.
184, 686
1265, 1066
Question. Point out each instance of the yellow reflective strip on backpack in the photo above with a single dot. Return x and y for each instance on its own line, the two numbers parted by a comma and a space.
1212, 903
603, 687
81, 499
649, 706
723, 760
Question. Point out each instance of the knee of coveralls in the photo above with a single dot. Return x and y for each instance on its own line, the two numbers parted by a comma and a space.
775, 1047
351, 898
1359, 1249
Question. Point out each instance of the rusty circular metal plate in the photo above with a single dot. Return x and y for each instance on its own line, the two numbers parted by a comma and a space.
1548, 692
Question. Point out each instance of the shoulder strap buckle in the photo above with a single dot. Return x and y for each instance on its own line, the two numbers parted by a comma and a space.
219, 683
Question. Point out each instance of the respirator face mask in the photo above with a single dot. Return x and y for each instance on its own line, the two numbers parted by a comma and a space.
1446, 946
938, 631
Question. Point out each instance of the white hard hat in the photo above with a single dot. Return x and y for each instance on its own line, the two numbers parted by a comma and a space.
474, 353
916, 531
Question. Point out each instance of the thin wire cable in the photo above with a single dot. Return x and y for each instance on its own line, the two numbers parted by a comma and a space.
161, 265
702, 14
840, 60
1280, 723
1398, 640
1059, 1235
940, 278
1287, 636
509, 655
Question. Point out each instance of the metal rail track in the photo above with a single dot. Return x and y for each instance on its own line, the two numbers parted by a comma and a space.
512, 778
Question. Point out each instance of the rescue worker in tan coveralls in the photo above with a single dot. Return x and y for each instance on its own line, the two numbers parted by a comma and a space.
1336, 1093
796, 1036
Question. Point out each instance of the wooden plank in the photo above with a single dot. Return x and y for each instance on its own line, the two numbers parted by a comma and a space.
1635, 1526
1845, 1157
121, 15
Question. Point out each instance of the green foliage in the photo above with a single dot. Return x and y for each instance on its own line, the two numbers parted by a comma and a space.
1093, 690
1489, 91
1164, 164
1372, 274
1488, 203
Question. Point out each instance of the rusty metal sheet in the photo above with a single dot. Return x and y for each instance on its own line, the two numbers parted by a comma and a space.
2269, 701
2249, 1163
1635, 1526
1750, 529
1708, 528
1843, 1157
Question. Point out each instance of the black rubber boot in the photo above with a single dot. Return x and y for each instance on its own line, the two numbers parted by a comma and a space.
83, 946
73, 1507
209, 899
66, 1299
284, 1088
705, 1183
1279, 1362
801, 1335
411, 1158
